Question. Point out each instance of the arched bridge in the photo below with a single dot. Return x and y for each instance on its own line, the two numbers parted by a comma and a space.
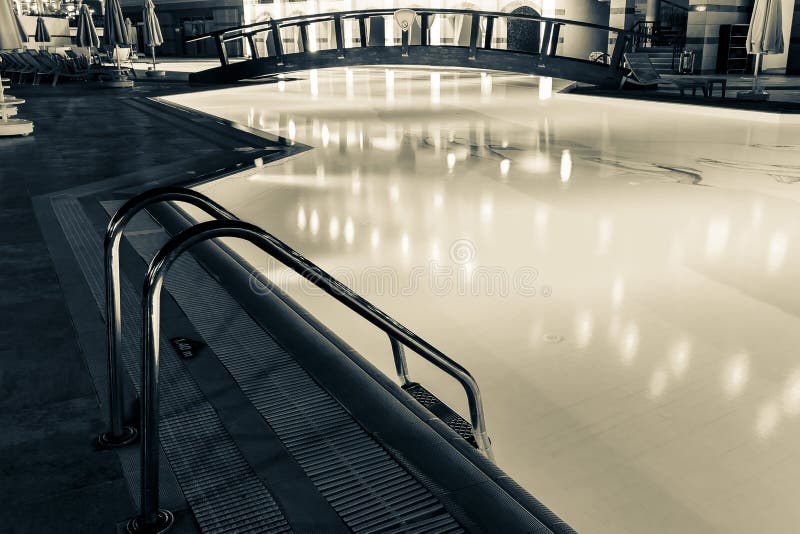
357, 38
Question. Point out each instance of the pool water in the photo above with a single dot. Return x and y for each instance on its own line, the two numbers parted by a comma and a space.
619, 276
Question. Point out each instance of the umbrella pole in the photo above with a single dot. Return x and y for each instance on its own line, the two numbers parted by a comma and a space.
756, 68
153, 53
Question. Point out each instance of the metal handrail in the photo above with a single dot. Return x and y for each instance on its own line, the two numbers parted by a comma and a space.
150, 515
119, 434
324, 17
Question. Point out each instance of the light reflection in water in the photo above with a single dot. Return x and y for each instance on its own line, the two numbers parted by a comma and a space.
301, 219
349, 231
505, 166
349, 87
658, 382
333, 228
630, 343
605, 230
778, 245
767, 419
545, 88
314, 82
566, 165
717, 237
617, 292
313, 222
791, 393
375, 238
436, 88
584, 326
679, 357
736, 374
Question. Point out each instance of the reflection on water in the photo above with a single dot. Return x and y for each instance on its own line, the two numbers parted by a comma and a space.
659, 247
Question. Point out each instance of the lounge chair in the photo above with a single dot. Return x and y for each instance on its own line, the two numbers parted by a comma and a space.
41, 64
12, 64
643, 74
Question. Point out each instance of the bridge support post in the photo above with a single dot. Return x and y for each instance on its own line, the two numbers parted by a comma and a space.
474, 33
544, 51
337, 27
303, 36
219, 44
487, 39
554, 40
252, 43
362, 31
277, 42
424, 26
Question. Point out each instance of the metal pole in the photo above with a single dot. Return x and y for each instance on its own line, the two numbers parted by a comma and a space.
756, 68
121, 435
400, 362
293, 259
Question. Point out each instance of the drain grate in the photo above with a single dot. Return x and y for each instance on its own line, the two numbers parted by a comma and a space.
365, 485
221, 488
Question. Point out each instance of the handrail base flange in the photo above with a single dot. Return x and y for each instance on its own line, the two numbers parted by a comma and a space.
108, 440
164, 521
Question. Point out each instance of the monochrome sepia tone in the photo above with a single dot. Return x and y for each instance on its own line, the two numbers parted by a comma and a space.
502, 267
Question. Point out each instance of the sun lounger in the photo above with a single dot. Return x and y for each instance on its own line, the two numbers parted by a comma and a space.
645, 75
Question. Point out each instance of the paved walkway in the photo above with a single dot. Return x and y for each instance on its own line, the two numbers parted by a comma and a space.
52, 478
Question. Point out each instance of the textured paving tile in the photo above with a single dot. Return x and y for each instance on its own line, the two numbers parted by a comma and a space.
51, 477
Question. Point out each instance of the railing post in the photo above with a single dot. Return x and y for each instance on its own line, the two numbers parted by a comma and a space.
617, 56
252, 42
120, 435
277, 42
362, 31
487, 40
151, 518
554, 40
475, 30
337, 23
405, 37
303, 26
222, 52
545, 48
424, 27
400, 363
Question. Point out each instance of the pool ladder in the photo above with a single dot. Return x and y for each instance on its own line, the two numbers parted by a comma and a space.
151, 518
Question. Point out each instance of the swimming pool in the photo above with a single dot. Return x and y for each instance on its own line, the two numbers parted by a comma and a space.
617, 275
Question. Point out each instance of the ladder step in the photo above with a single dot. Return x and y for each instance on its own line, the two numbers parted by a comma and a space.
441, 410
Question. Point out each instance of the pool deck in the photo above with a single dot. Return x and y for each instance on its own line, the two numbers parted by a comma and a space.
53, 479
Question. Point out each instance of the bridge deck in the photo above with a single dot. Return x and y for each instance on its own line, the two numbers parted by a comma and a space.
479, 53
434, 56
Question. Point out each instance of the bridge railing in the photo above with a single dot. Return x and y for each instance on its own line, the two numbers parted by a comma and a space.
477, 31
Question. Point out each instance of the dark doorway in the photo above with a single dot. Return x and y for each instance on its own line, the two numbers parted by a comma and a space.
523, 35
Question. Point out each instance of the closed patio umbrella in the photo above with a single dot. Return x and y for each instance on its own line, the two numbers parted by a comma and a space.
9, 32
765, 35
132, 34
86, 35
41, 35
115, 33
22, 33
152, 29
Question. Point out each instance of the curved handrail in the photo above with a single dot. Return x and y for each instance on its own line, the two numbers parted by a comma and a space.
151, 309
322, 17
119, 434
